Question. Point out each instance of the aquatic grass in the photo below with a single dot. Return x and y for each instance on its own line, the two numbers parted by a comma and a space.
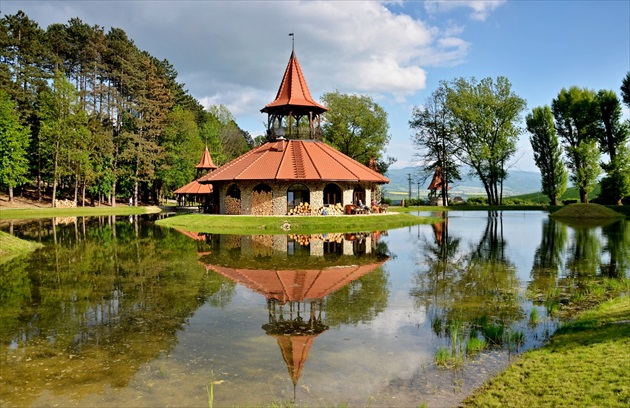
475, 344
586, 363
533, 317
442, 357
493, 333
514, 339
436, 325
552, 307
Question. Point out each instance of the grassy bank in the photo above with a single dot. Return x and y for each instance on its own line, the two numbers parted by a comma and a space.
585, 364
11, 246
621, 209
244, 224
8, 214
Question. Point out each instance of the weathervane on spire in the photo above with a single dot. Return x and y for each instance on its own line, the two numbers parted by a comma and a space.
292, 41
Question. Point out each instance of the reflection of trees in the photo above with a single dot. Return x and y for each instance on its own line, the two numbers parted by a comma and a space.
359, 301
618, 247
97, 303
584, 253
548, 259
466, 285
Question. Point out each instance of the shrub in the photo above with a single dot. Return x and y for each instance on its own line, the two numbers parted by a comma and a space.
477, 201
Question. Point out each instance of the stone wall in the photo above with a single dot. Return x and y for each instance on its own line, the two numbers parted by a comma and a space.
279, 193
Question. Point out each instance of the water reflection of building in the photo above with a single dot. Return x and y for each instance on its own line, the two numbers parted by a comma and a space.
295, 273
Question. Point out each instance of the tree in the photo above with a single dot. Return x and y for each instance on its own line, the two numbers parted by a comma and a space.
625, 90
14, 141
612, 136
63, 123
484, 116
357, 127
182, 148
576, 115
547, 153
433, 139
225, 140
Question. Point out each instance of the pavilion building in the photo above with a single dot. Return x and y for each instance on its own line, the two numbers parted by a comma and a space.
294, 166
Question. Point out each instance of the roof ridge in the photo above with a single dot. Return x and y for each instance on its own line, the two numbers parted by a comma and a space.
319, 174
284, 154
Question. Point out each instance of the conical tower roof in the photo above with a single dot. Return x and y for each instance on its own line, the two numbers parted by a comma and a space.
293, 95
206, 161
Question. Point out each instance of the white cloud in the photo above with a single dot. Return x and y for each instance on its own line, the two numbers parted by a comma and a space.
480, 8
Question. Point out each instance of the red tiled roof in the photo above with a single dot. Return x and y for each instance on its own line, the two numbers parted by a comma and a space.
306, 160
436, 182
206, 161
296, 285
295, 352
293, 91
194, 187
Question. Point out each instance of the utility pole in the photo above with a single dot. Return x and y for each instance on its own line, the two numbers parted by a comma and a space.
418, 192
409, 178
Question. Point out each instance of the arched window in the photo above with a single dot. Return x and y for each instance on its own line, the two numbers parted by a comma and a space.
234, 192
332, 194
358, 194
296, 194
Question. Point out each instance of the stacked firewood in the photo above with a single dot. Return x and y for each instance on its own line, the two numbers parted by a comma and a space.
303, 240
232, 206
262, 203
301, 209
307, 239
336, 209
262, 245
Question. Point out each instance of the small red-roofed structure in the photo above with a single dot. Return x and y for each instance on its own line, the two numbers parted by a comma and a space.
196, 192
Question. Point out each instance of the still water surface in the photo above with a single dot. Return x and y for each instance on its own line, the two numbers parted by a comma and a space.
115, 311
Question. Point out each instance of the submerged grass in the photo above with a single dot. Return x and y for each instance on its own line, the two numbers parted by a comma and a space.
245, 224
586, 363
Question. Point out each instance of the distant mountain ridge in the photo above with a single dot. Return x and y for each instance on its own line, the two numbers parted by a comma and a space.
518, 182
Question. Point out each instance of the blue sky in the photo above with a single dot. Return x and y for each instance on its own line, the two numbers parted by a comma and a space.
234, 52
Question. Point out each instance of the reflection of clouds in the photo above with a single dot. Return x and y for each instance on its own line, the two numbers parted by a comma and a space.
397, 317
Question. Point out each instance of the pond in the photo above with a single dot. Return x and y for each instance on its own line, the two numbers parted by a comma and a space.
116, 311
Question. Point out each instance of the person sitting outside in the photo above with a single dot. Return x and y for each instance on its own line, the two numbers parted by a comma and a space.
374, 207
362, 207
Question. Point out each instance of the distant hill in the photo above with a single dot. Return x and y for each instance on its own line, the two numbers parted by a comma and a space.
517, 183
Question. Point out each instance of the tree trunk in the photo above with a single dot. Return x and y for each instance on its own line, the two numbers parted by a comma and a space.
583, 196
10, 194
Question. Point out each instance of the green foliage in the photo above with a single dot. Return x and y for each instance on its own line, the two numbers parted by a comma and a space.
14, 141
576, 113
356, 126
547, 153
477, 201
485, 115
434, 140
110, 137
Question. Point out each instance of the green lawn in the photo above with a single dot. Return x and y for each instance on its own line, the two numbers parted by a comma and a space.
245, 224
585, 364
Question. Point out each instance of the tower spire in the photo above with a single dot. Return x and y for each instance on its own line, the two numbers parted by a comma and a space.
292, 42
